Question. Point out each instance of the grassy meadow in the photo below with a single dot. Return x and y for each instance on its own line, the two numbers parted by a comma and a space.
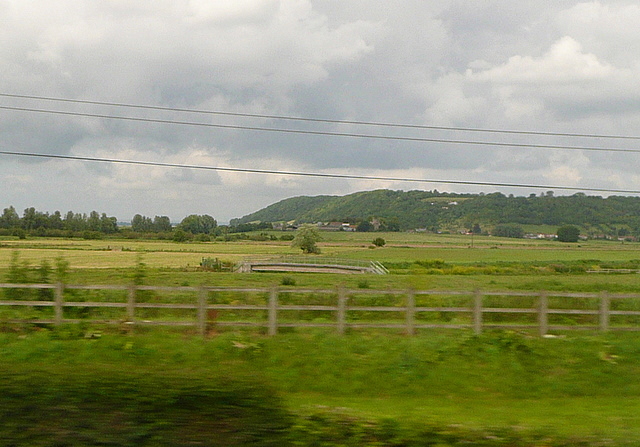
310, 386
461, 261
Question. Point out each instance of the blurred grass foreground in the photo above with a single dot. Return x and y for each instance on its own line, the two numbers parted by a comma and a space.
72, 386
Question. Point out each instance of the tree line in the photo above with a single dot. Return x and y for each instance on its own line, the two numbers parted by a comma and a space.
96, 225
41, 223
44, 224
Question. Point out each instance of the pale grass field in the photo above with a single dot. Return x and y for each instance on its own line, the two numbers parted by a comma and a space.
400, 247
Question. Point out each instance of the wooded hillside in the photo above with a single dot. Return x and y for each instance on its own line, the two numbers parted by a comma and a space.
437, 211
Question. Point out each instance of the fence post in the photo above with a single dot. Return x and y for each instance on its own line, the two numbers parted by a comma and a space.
131, 304
477, 311
131, 308
59, 299
202, 311
411, 311
341, 315
273, 311
543, 314
605, 303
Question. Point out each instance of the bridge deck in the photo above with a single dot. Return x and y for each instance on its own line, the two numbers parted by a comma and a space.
263, 266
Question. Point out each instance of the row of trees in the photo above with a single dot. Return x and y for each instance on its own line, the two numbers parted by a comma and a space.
33, 220
56, 224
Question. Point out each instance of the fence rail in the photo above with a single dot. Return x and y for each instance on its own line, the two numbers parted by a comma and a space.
474, 309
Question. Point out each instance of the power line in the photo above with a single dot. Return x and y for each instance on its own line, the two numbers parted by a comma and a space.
313, 174
321, 120
324, 133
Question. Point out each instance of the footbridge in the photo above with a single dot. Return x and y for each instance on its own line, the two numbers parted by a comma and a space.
310, 264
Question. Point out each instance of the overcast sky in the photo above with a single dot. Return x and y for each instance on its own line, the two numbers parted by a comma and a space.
561, 66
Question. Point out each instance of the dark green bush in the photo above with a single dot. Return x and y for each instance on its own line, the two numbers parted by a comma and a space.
432, 263
288, 281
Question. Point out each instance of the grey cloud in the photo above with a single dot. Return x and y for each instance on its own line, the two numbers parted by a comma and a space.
471, 64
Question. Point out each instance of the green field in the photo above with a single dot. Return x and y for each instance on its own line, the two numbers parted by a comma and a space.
492, 263
577, 389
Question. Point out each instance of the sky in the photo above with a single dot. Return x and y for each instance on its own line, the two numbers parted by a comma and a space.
561, 67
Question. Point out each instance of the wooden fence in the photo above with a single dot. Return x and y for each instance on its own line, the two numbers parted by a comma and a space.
477, 314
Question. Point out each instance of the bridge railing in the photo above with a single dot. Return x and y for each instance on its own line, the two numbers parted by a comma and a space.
373, 266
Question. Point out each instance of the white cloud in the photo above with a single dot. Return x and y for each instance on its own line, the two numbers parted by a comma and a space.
609, 29
565, 62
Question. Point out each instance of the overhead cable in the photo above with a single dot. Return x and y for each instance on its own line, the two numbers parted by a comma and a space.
320, 120
313, 174
318, 132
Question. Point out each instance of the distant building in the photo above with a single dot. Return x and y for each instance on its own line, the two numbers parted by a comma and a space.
336, 226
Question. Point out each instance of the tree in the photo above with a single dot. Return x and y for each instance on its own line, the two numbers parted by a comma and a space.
161, 224
29, 219
306, 239
181, 236
55, 221
108, 224
568, 233
93, 222
9, 218
364, 226
379, 242
196, 224
141, 224
392, 224
74, 221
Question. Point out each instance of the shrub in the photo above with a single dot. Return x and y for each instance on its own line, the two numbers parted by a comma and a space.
379, 242
288, 281
431, 263
202, 237
181, 236
20, 233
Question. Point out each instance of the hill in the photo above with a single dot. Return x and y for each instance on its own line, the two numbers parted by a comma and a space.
438, 211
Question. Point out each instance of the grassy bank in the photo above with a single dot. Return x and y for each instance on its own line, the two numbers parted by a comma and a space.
501, 384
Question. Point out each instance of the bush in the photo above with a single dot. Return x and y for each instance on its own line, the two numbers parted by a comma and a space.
181, 236
91, 235
202, 237
288, 281
20, 233
432, 263
379, 242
